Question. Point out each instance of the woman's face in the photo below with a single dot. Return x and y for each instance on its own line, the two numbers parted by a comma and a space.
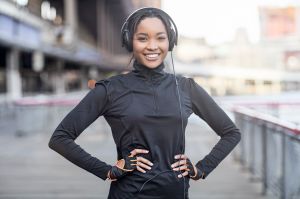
150, 42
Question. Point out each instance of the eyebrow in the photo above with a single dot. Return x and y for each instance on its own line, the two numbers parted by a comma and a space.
145, 34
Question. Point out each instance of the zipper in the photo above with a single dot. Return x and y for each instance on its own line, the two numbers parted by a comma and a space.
154, 95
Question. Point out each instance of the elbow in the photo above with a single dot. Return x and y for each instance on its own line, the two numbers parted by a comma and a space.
54, 141
238, 137
51, 143
234, 135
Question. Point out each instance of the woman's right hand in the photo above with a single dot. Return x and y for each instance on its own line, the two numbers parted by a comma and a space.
142, 164
130, 163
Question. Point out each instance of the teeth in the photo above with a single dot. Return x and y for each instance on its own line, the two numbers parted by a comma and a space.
152, 55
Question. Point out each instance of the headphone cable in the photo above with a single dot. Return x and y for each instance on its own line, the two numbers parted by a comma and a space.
182, 134
182, 130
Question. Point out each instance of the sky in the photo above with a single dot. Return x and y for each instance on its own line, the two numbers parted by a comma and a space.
218, 20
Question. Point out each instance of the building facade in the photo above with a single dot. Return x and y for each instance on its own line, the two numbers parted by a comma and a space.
55, 46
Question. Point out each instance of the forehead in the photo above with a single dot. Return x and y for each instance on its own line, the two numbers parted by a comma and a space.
151, 24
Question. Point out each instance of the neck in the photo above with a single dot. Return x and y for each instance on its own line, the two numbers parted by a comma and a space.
146, 72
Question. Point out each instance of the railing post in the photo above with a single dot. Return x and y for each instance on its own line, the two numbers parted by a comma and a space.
283, 166
252, 146
264, 169
243, 147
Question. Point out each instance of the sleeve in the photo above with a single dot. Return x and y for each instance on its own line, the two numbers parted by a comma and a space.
207, 109
93, 105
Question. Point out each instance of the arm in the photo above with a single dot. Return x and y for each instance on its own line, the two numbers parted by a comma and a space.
86, 112
205, 107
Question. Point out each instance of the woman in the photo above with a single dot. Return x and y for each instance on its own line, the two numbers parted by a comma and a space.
147, 110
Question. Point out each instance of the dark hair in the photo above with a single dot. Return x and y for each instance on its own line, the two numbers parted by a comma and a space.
131, 23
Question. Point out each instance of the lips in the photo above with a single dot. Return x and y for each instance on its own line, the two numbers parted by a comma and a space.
152, 56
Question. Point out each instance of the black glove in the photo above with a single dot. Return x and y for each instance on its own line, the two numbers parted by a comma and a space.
194, 172
122, 167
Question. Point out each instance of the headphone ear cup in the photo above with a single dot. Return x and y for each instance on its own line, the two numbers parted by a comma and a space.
125, 36
125, 40
172, 40
129, 42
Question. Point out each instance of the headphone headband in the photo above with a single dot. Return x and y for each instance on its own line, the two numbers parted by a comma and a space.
126, 35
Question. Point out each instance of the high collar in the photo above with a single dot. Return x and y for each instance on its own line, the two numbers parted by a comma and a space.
149, 73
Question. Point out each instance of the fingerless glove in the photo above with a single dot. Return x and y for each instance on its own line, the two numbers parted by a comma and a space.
122, 167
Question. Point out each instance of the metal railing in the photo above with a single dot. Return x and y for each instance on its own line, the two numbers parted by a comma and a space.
33, 116
270, 149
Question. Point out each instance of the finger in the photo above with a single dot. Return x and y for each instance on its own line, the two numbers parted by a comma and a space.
183, 162
142, 165
174, 165
178, 163
144, 160
137, 151
140, 169
184, 167
183, 174
180, 156
91, 84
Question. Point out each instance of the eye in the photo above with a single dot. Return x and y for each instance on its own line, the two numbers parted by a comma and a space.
142, 39
162, 38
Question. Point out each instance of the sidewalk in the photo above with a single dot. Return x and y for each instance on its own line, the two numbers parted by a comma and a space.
29, 169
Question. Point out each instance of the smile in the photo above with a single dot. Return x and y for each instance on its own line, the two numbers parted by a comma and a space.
152, 56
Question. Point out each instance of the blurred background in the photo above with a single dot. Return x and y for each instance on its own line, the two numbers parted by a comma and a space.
246, 54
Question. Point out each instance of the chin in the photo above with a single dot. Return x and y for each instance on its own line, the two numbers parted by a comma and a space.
152, 64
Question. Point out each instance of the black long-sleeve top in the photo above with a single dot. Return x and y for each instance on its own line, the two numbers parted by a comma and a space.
142, 109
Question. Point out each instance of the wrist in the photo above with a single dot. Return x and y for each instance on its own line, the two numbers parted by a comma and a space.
198, 174
110, 176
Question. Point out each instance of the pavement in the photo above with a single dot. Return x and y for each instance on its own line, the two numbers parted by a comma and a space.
30, 170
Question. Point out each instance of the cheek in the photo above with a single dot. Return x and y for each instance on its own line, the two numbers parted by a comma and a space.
165, 46
137, 47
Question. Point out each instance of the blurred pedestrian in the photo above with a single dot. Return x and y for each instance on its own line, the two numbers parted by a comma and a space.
147, 110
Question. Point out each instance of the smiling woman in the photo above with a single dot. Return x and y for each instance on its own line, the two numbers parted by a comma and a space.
150, 42
147, 110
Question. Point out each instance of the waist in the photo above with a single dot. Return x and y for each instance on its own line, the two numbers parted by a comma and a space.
155, 183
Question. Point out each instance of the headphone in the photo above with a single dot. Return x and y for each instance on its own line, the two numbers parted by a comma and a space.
127, 34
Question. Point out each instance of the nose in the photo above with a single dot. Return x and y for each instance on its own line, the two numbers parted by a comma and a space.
152, 45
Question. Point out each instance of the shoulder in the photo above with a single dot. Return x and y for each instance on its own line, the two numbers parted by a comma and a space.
116, 84
184, 82
110, 81
189, 84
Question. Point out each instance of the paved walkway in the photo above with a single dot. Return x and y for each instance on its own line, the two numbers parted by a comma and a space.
29, 169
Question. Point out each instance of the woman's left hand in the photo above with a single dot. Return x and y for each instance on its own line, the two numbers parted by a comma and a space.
184, 165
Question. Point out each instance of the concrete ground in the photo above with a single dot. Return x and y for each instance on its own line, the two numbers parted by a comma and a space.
29, 169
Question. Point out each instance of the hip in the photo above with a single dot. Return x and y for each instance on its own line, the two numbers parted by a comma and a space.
154, 185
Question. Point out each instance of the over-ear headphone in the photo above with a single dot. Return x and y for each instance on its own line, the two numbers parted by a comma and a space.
127, 32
